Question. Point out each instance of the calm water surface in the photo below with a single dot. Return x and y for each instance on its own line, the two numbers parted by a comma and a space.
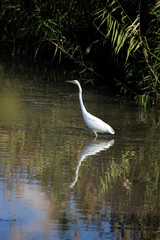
58, 182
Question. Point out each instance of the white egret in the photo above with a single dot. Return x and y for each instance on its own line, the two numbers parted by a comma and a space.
93, 123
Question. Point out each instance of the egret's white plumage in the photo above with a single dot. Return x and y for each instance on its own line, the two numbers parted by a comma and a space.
93, 123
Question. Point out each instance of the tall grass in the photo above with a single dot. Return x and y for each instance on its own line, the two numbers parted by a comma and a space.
72, 29
52, 28
139, 41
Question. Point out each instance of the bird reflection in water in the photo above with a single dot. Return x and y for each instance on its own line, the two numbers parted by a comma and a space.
91, 149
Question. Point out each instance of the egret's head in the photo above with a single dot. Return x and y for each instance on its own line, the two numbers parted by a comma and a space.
76, 83
73, 81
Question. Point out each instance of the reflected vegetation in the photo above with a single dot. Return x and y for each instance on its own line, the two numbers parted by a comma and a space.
114, 194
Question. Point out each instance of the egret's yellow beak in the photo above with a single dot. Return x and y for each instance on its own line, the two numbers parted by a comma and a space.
69, 81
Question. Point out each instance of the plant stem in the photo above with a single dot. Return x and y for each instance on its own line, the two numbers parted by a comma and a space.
80, 63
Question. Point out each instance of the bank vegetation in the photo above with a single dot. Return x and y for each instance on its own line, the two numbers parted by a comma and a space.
115, 42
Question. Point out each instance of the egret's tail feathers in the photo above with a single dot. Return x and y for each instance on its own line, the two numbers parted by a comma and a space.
111, 130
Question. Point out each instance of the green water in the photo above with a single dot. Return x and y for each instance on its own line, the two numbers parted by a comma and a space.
57, 181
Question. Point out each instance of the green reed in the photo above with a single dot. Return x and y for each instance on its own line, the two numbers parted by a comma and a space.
83, 31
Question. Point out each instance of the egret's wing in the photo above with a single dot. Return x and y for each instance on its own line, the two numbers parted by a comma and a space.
97, 124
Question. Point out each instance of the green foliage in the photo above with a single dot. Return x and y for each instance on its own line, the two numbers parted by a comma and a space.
62, 28
39, 21
48, 28
117, 21
141, 47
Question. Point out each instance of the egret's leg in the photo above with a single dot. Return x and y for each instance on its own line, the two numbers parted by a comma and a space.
96, 135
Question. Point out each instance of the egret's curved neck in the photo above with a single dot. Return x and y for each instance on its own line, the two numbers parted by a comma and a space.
81, 100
